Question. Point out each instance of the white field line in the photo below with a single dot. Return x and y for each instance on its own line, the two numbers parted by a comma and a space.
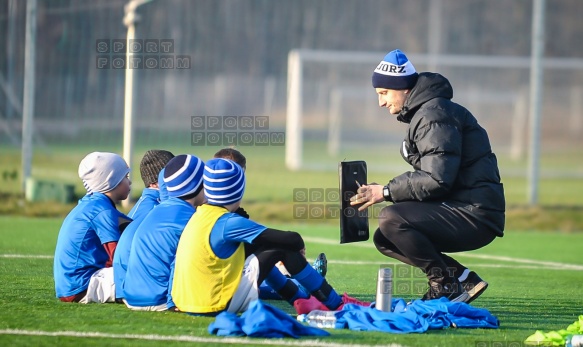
473, 265
331, 242
186, 338
524, 261
546, 264
540, 266
26, 256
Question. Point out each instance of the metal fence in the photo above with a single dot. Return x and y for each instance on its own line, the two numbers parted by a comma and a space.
218, 58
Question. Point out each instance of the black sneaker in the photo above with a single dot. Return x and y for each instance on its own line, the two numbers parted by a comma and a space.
427, 295
474, 285
321, 264
449, 288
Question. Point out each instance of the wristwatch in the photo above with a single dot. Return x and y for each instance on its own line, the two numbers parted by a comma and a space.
386, 193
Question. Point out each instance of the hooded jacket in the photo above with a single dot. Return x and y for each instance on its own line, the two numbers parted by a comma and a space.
450, 153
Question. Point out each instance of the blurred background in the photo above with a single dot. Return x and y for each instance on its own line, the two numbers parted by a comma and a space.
238, 63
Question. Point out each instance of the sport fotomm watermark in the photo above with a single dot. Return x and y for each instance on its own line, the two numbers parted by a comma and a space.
234, 131
325, 203
412, 281
143, 54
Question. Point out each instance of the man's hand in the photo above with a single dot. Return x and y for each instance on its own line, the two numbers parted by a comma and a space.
367, 195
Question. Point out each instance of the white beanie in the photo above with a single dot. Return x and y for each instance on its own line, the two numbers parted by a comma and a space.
101, 172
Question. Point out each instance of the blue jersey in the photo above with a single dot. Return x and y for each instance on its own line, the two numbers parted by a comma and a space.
148, 200
80, 252
230, 230
152, 254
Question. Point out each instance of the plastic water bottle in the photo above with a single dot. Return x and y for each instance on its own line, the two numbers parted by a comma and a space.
321, 319
384, 289
574, 341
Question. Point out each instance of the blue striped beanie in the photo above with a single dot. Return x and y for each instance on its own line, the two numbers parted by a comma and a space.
395, 72
183, 175
224, 182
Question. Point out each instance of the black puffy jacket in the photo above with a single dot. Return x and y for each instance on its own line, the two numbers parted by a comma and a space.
450, 152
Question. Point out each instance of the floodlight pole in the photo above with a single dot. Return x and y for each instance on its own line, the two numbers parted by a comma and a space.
536, 87
130, 19
28, 94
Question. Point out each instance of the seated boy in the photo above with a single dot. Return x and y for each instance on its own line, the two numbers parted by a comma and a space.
149, 270
89, 234
151, 166
265, 291
222, 257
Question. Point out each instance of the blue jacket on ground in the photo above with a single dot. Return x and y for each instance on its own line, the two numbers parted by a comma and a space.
415, 317
261, 320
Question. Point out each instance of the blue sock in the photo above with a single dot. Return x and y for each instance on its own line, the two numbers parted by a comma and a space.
313, 282
284, 286
268, 293
275, 279
300, 294
309, 278
334, 300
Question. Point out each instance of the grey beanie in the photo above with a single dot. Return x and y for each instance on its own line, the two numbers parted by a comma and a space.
101, 172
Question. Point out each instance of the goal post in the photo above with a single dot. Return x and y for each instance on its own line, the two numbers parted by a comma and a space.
293, 128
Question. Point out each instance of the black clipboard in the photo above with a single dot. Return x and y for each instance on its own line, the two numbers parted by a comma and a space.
353, 223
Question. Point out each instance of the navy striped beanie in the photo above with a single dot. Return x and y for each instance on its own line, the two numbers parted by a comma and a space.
395, 72
224, 182
183, 175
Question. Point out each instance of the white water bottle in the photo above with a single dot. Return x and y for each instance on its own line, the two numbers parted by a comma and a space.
321, 319
384, 289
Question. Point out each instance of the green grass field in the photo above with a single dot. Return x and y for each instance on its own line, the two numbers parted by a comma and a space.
535, 284
268, 180
270, 186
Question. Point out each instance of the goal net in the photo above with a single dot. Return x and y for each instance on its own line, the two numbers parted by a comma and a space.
333, 112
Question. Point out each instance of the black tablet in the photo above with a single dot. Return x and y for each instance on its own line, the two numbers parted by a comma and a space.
353, 223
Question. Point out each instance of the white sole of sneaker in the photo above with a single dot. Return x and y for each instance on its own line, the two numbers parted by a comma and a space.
464, 297
476, 291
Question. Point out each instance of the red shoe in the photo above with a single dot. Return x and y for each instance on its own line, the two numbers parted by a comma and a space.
350, 300
305, 306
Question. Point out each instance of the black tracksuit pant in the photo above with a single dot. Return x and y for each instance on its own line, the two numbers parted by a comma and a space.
417, 233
